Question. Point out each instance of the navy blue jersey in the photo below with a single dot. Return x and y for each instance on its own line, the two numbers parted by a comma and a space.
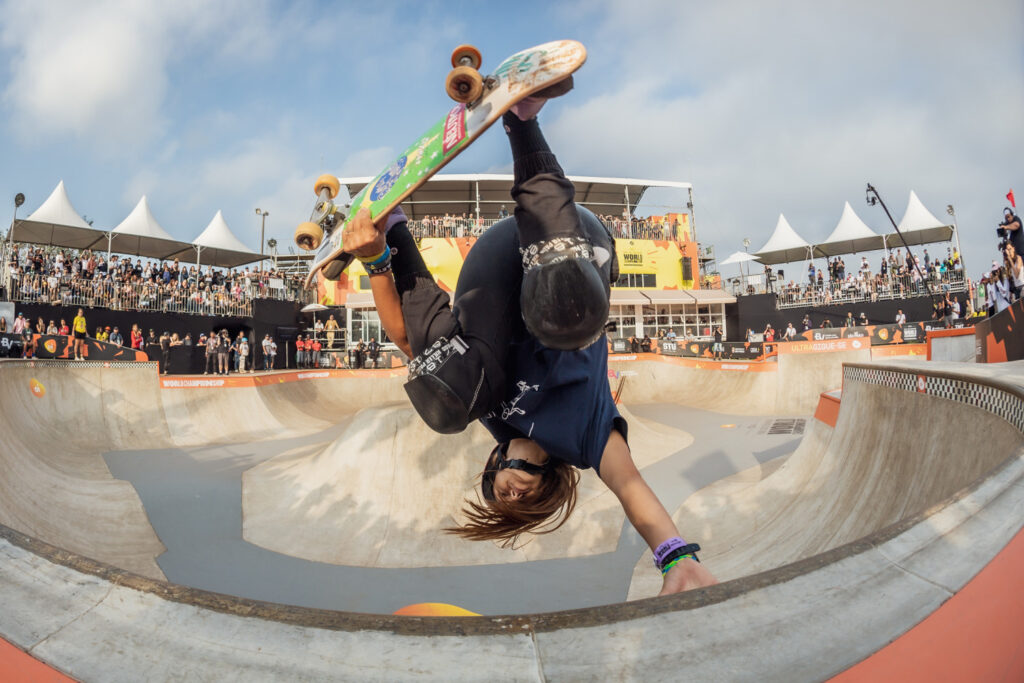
559, 399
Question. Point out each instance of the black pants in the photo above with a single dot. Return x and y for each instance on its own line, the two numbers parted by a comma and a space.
485, 315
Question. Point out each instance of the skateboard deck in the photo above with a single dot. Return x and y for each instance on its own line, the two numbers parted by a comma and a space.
516, 78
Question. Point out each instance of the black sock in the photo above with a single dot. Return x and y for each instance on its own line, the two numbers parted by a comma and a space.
530, 152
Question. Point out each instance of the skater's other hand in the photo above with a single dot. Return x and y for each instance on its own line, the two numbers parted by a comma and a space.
362, 238
686, 575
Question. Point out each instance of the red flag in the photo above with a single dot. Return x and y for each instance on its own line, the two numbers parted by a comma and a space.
1009, 195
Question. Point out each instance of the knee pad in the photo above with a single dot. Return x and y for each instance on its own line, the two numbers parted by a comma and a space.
439, 404
564, 299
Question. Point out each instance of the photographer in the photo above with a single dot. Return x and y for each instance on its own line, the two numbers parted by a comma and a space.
1010, 231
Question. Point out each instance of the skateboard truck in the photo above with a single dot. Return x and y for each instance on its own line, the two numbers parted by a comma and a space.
326, 214
464, 82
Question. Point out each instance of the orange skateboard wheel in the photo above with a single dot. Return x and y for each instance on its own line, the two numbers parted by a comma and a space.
309, 235
466, 55
464, 84
329, 182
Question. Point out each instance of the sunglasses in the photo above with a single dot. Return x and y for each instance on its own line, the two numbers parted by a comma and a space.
497, 462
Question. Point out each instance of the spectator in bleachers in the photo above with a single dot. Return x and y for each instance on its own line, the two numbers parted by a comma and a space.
243, 353
19, 324
63, 330
165, 352
269, 352
331, 327
80, 329
116, 338
314, 352
51, 328
223, 351
62, 276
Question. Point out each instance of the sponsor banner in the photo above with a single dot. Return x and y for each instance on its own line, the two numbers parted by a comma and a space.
702, 349
878, 334
11, 345
53, 346
890, 350
825, 346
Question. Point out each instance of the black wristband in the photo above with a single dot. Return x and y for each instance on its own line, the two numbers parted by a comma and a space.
690, 549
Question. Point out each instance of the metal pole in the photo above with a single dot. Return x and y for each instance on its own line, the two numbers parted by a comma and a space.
956, 234
476, 183
871, 202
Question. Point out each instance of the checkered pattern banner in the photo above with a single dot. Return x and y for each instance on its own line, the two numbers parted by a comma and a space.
1004, 404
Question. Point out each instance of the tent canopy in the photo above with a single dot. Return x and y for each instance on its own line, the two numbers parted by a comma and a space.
784, 246
851, 235
218, 246
919, 226
141, 235
457, 194
56, 223
738, 257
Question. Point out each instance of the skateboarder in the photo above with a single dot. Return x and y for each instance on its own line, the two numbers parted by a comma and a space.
534, 374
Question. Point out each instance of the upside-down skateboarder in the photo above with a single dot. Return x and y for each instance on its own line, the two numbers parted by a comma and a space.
522, 349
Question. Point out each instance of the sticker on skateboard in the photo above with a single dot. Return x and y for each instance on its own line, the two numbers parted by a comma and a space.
481, 100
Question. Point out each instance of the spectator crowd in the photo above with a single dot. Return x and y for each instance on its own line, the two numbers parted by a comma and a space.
897, 276
71, 278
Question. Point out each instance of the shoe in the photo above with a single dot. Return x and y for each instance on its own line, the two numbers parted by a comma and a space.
528, 107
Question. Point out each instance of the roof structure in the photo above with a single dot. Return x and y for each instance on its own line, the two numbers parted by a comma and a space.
851, 235
141, 235
217, 245
784, 246
458, 194
919, 226
56, 223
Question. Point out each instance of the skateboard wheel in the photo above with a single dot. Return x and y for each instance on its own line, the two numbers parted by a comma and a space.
464, 84
466, 55
329, 182
309, 236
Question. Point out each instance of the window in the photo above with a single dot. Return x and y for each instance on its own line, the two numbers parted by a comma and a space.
645, 280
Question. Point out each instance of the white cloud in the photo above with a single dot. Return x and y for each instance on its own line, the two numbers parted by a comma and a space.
100, 71
792, 107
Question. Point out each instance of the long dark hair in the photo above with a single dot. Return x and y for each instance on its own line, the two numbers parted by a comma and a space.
493, 519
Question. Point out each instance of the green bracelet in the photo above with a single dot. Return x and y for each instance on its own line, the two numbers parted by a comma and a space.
664, 570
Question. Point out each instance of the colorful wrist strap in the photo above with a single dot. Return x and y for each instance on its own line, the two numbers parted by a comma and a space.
662, 551
378, 259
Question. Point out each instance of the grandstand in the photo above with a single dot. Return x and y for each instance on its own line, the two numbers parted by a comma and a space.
660, 286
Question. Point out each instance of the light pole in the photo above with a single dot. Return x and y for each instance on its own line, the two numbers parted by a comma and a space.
19, 199
956, 233
263, 224
873, 198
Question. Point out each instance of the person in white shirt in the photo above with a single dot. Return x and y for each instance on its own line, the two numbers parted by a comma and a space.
901, 318
790, 334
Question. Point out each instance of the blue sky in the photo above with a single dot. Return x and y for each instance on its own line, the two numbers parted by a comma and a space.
775, 107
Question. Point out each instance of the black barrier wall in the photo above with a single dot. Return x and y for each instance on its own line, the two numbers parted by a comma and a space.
756, 311
268, 315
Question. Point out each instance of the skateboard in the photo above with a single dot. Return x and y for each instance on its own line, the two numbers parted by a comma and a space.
481, 100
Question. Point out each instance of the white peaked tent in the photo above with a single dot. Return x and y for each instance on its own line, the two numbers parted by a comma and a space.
141, 235
218, 246
850, 235
784, 246
56, 223
919, 226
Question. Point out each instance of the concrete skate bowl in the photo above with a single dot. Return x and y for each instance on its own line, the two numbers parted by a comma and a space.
870, 531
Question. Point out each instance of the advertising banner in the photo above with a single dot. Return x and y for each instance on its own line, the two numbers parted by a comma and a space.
60, 346
911, 333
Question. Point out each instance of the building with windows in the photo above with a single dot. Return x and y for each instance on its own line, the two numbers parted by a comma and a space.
659, 286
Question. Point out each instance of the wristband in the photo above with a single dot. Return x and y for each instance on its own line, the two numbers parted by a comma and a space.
381, 265
662, 551
378, 259
669, 559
